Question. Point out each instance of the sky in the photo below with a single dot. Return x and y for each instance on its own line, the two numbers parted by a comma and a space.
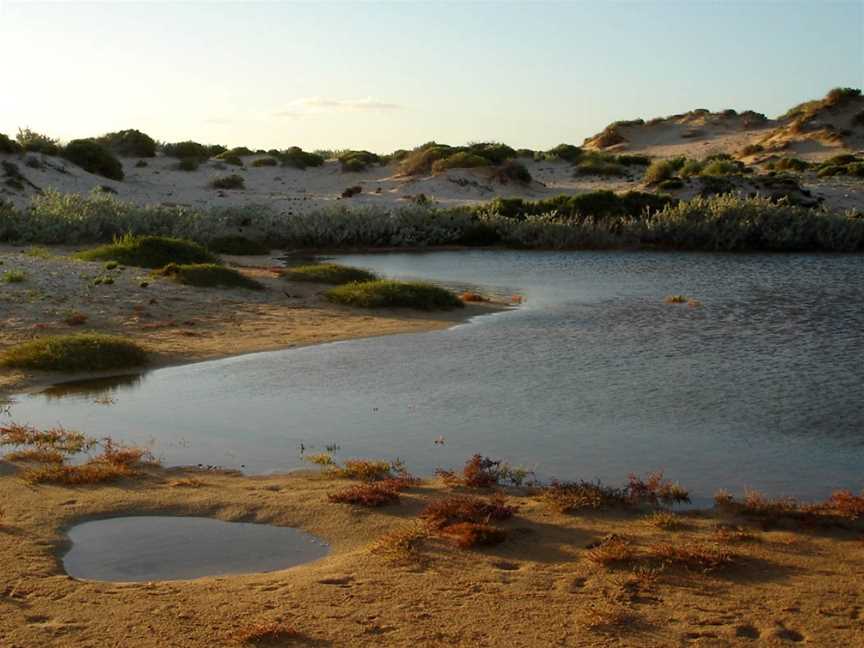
388, 75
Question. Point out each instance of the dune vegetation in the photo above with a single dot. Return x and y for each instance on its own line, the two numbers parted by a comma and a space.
206, 275
76, 352
328, 273
384, 293
148, 252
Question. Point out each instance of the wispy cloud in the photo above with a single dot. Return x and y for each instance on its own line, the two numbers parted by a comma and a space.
313, 105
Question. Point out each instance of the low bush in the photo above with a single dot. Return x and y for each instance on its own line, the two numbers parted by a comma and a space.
495, 152
457, 509
384, 293
603, 204
129, 143
468, 535
188, 164
297, 158
369, 495
33, 142
723, 168
13, 276
265, 162
186, 150
566, 152
354, 161
659, 170
148, 252
600, 167
461, 160
751, 149
237, 245
233, 160
236, 152
8, 145
421, 160
512, 171
93, 158
328, 273
77, 352
350, 192
232, 181
207, 275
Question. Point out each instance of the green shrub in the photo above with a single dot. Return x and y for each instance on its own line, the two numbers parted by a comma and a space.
659, 170
751, 149
297, 158
13, 276
722, 168
33, 142
420, 160
232, 181
840, 160
691, 168
856, 169
140, 164
354, 161
265, 162
129, 143
384, 293
461, 160
600, 167
512, 171
328, 273
596, 205
94, 158
566, 152
188, 164
633, 160
671, 184
78, 352
495, 152
233, 160
237, 245
836, 96
8, 145
207, 275
148, 252
236, 152
187, 149
788, 164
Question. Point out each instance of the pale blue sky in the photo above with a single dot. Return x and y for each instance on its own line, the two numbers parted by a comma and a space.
390, 75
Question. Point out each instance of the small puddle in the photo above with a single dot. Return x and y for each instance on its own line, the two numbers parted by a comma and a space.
156, 547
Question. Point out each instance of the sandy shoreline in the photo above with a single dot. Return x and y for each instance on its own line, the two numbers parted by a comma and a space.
181, 324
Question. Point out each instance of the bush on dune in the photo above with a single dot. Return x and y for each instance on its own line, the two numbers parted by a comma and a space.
148, 252
187, 149
297, 158
265, 162
33, 142
129, 143
207, 275
8, 145
384, 293
566, 152
78, 352
232, 181
461, 160
93, 158
329, 273
355, 161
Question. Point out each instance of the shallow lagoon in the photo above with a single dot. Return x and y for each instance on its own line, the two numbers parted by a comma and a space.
593, 377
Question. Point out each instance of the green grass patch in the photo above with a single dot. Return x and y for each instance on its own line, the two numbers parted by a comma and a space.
13, 276
207, 275
77, 352
148, 252
329, 273
384, 293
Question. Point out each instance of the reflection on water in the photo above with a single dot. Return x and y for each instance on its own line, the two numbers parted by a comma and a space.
595, 377
96, 389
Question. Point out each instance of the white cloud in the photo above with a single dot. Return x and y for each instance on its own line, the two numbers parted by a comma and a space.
313, 105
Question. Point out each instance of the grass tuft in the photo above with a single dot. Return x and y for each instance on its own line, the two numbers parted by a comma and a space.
384, 293
372, 494
328, 273
453, 510
207, 275
76, 352
148, 252
468, 535
13, 276
232, 181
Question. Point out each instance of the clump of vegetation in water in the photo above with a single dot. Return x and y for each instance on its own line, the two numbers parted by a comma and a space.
149, 252
385, 293
77, 352
655, 490
207, 275
328, 273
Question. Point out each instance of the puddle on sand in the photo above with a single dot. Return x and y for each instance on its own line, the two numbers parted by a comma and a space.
154, 548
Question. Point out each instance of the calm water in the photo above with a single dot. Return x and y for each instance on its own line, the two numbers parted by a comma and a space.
167, 547
594, 377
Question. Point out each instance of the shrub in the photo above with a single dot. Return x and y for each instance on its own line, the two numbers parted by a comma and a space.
671, 184
633, 160
148, 252
658, 171
722, 168
751, 149
353, 161
236, 152
33, 142
461, 160
373, 494
512, 171
566, 152
600, 167
328, 273
78, 352
140, 164
691, 168
93, 158
350, 192
237, 245
233, 160
187, 149
297, 158
453, 510
483, 472
207, 275
232, 181
13, 276
495, 152
188, 164
129, 143
265, 162
8, 145
384, 293
368, 470
838, 95
468, 535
